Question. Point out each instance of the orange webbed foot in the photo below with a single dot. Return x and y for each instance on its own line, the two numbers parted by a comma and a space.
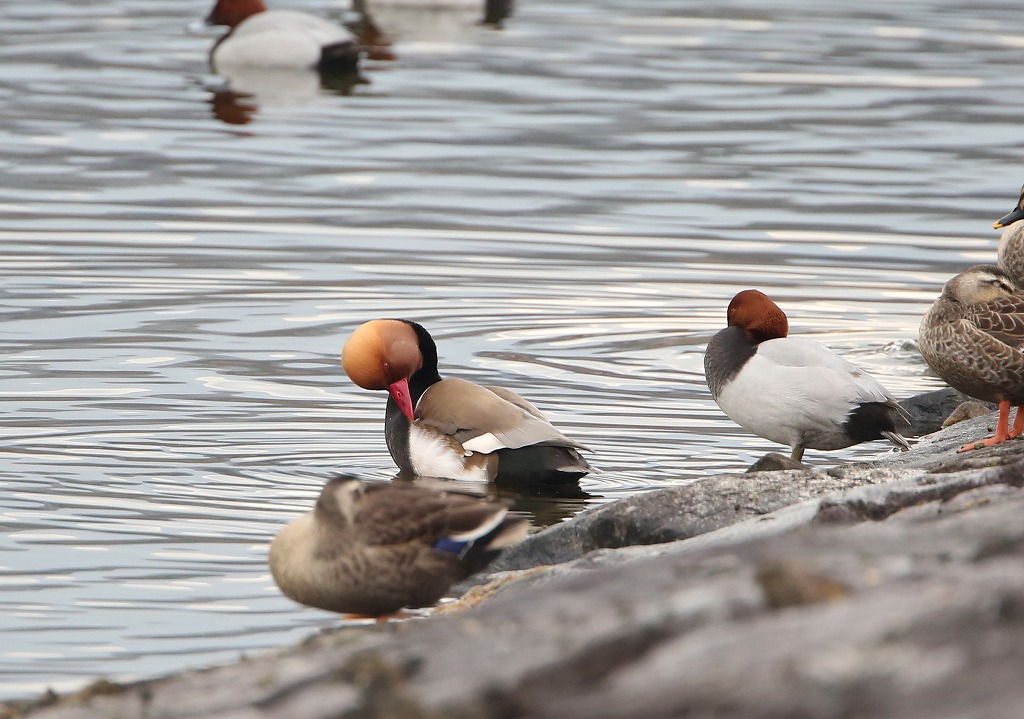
989, 442
1002, 431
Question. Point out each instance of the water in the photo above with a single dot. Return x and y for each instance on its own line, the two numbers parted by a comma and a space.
567, 203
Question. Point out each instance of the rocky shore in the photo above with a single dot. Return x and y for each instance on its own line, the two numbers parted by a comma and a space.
889, 589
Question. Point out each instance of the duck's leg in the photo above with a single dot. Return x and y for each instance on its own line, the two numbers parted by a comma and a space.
798, 453
400, 615
1002, 433
1018, 422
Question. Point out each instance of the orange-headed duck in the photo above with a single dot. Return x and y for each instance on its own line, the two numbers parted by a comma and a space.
450, 427
973, 338
281, 39
792, 390
1011, 244
374, 548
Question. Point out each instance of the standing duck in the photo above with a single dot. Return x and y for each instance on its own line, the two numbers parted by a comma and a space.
450, 427
973, 338
1011, 244
372, 549
792, 390
280, 39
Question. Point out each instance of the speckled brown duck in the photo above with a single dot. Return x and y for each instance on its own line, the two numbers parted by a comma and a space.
1011, 244
973, 338
453, 428
374, 548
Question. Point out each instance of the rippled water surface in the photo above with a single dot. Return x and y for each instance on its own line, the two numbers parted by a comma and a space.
567, 202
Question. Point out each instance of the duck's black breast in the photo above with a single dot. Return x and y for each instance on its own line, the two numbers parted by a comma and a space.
396, 434
727, 353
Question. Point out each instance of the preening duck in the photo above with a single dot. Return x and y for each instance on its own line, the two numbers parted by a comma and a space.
1011, 244
280, 39
374, 548
451, 427
792, 390
973, 338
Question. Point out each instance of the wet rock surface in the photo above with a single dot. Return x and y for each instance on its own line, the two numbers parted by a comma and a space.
893, 589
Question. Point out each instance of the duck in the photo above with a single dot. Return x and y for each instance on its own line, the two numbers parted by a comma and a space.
373, 548
792, 390
454, 428
973, 338
279, 39
1011, 243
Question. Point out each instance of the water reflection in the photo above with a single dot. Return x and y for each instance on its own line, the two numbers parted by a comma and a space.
248, 90
543, 504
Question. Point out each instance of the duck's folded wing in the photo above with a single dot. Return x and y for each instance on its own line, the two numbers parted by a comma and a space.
323, 32
396, 513
484, 420
1001, 319
818, 377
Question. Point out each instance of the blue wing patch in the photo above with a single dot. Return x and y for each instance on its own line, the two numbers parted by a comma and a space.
445, 544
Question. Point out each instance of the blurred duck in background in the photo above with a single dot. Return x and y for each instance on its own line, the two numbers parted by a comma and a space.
277, 58
282, 39
430, 21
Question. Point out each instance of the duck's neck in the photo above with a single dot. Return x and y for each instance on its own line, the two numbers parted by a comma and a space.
396, 424
427, 374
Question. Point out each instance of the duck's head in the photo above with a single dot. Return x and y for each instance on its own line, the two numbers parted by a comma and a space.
981, 283
1016, 214
755, 313
384, 354
233, 12
339, 498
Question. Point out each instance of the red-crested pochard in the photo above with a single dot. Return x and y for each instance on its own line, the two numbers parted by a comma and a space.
450, 427
792, 390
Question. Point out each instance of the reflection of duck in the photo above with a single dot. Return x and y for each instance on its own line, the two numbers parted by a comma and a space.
1011, 244
792, 390
432, 20
249, 89
454, 428
973, 338
285, 39
372, 549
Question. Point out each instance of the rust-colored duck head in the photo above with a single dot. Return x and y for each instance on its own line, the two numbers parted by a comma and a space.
754, 312
233, 12
384, 354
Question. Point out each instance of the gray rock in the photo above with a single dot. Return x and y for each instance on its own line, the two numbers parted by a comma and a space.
666, 515
774, 462
930, 409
